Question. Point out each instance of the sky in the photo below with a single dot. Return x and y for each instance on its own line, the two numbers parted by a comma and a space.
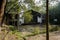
40, 2
53, 3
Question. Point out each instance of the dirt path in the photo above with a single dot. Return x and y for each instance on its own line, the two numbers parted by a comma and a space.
52, 36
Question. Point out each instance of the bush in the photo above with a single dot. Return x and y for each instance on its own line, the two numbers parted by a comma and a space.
36, 30
17, 34
28, 17
53, 29
11, 28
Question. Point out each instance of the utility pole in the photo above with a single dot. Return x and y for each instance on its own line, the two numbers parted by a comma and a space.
47, 20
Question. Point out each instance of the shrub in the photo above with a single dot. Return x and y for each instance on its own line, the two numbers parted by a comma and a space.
36, 30
53, 29
28, 17
11, 28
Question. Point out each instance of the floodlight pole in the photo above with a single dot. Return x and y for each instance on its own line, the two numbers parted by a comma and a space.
47, 20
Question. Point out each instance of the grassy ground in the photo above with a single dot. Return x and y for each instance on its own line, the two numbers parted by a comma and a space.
25, 32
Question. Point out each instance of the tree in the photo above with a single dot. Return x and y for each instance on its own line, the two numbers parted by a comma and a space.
28, 17
12, 7
55, 12
2, 6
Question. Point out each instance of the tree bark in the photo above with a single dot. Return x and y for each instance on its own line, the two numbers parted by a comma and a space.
2, 6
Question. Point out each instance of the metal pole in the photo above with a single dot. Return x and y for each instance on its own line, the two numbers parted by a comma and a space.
47, 32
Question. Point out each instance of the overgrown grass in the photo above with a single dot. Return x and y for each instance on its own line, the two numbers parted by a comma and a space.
34, 31
54, 28
11, 28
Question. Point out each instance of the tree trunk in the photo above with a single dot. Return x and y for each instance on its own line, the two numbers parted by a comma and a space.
2, 6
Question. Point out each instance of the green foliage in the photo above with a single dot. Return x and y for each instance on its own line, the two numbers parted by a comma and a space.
28, 17
16, 34
32, 5
36, 30
12, 7
54, 29
54, 12
11, 28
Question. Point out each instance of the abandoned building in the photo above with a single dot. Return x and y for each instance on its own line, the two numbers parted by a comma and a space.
38, 18
19, 19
